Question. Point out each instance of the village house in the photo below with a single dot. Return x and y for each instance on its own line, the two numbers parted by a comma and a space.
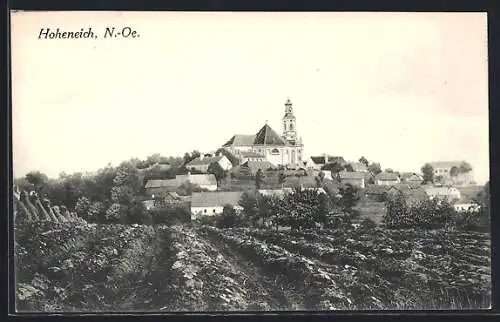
357, 179
466, 204
202, 163
162, 187
358, 167
251, 167
275, 192
446, 193
204, 181
304, 183
317, 162
451, 172
212, 203
413, 194
411, 178
251, 156
387, 179
285, 150
375, 192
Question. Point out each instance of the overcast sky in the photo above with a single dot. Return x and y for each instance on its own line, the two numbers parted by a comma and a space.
400, 89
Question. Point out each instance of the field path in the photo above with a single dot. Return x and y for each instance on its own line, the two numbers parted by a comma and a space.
258, 284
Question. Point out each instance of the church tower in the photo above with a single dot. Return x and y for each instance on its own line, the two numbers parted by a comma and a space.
295, 147
289, 124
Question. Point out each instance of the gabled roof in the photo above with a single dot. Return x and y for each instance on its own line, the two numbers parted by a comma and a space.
253, 166
168, 183
415, 192
205, 160
198, 179
375, 189
358, 166
386, 176
267, 136
215, 199
411, 175
339, 159
240, 140
319, 160
352, 175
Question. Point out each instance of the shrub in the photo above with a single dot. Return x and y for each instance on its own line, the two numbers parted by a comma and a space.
427, 214
367, 223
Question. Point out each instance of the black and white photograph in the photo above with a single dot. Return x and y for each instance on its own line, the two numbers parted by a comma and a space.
250, 161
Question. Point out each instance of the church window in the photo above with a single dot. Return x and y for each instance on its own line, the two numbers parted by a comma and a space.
275, 151
291, 126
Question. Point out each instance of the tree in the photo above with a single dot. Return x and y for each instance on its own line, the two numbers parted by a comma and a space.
335, 168
428, 173
217, 171
122, 194
350, 195
364, 161
82, 206
248, 202
374, 168
300, 209
465, 167
137, 213
114, 213
258, 178
320, 179
37, 179
96, 211
228, 218
389, 170
349, 168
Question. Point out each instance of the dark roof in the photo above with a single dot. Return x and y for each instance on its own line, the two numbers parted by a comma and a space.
375, 189
386, 176
318, 160
409, 175
240, 140
338, 159
409, 190
216, 198
168, 183
358, 166
253, 166
268, 136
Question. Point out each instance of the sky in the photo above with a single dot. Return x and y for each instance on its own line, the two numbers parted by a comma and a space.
401, 89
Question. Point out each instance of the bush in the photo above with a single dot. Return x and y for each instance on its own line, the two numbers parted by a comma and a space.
367, 223
427, 214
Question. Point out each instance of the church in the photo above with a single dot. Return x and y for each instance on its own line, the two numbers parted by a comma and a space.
285, 150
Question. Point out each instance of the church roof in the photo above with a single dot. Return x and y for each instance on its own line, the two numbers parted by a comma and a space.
240, 140
267, 135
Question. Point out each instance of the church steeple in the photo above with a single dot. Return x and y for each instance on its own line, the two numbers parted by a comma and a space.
289, 128
288, 107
